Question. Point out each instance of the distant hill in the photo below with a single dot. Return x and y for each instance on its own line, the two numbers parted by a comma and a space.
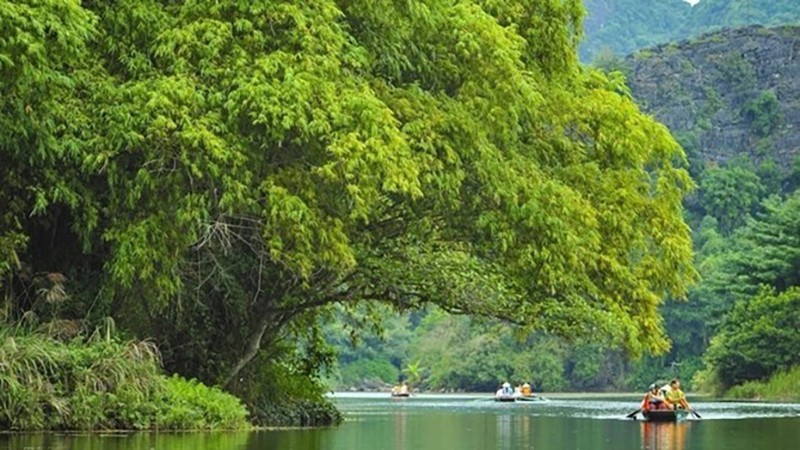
624, 26
710, 15
726, 94
627, 25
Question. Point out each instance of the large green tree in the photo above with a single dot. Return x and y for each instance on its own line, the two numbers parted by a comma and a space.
214, 173
758, 338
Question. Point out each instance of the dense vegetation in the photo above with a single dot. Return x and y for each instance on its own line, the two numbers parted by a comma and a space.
781, 386
624, 26
102, 383
735, 109
434, 350
216, 175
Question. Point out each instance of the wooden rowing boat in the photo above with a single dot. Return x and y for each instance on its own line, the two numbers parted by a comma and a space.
505, 398
530, 398
401, 394
665, 415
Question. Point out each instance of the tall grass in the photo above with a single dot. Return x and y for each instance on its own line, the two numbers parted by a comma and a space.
99, 382
782, 386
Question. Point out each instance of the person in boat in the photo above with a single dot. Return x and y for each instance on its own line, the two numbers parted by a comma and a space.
505, 391
400, 389
526, 390
653, 400
675, 397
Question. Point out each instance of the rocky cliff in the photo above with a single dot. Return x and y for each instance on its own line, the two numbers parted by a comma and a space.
726, 94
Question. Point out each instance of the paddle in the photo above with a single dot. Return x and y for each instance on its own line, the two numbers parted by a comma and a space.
633, 414
695, 413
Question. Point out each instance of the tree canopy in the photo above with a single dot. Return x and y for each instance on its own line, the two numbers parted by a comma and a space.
758, 338
213, 174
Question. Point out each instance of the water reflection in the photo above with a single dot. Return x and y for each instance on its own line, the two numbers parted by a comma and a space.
525, 431
504, 432
664, 436
400, 429
466, 424
126, 441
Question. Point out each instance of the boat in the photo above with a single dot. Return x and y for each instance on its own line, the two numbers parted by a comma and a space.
530, 398
505, 398
665, 415
401, 394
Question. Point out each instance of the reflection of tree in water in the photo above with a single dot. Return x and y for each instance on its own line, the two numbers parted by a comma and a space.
524, 426
664, 436
400, 426
130, 441
504, 441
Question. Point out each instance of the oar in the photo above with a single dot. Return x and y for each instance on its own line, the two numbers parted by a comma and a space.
633, 414
695, 413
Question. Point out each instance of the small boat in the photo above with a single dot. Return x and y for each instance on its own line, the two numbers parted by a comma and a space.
665, 415
505, 398
401, 394
530, 398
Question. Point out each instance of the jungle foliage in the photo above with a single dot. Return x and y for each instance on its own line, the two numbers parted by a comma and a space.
434, 350
738, 324
101, 382
737, 132
216, 175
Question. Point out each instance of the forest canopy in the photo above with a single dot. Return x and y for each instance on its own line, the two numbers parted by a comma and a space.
214, 175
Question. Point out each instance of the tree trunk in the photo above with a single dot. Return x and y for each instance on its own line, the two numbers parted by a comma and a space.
251, 350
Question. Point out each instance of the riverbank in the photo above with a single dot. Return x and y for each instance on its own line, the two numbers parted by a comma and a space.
102, 383
781, 387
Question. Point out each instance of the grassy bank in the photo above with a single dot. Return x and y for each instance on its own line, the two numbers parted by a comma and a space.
101, 383
783, 386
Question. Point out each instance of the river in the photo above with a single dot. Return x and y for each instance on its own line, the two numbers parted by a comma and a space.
464, 422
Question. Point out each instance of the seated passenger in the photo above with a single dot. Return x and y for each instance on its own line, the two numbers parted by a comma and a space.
675, 397
653, 399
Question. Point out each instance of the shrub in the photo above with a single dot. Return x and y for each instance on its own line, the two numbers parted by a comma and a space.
280, 395
189, 404
101, 383
782, 386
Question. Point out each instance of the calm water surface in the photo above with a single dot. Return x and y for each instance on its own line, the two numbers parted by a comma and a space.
376, 422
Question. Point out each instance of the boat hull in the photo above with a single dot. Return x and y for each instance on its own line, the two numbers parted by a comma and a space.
505, 398
665, 415
530, 398
401, 395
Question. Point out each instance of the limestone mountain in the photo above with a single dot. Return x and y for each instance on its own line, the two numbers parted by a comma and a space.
726, 94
